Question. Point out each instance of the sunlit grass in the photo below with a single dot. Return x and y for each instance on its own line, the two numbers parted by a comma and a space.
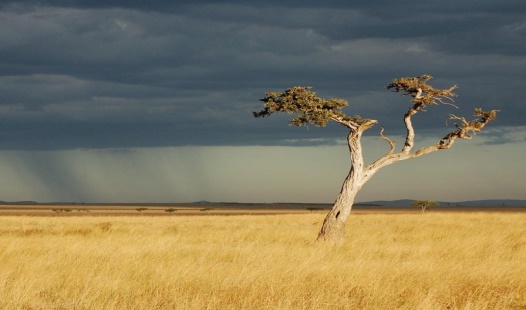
396, 261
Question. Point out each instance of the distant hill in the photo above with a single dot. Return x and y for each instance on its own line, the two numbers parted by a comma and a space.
376, 203
470, 203
25, 202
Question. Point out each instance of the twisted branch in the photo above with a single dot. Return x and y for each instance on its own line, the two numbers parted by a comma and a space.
466, 129
391, 142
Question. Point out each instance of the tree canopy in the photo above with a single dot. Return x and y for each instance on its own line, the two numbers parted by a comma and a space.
309, 108
423, 93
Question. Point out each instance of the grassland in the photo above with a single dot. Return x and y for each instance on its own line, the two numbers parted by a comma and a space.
390, 261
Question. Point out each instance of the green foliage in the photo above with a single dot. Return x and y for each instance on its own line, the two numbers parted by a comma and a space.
410, 84
486, 116
423, 94
171, 210
466, 128
308, 108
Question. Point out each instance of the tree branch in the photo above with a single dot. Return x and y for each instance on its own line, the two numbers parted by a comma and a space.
391, 142
341, 120
463, 131
410, 131
423, 95
466, 129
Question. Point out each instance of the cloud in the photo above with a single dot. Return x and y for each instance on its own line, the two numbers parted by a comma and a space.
152, 100
99, 74
504, 135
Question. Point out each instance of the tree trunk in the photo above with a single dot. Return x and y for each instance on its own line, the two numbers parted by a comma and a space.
333, 228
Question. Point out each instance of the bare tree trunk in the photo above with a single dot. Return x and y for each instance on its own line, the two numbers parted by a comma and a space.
333, 228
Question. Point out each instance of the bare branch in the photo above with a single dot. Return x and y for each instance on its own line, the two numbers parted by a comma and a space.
391, 142
342, 121
446, 102
418, 93
410, 135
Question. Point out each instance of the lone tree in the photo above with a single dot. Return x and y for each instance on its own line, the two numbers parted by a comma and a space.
424, 204
311, 109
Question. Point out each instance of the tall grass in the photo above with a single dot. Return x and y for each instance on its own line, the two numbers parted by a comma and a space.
431, 261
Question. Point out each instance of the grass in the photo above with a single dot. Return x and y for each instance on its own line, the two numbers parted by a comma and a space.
393, 261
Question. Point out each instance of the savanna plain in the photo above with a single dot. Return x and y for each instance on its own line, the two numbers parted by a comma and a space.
436, 260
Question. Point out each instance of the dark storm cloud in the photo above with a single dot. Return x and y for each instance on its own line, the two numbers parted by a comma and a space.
99, 74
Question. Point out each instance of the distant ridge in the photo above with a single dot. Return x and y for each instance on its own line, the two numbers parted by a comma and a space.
375, 203
201, 202
24, 202
469, 203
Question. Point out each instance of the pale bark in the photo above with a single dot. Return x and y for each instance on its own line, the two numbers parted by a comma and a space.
333, 227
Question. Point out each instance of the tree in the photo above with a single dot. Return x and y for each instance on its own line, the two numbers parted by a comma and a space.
141, 209
311, 109
171, 211
424, 204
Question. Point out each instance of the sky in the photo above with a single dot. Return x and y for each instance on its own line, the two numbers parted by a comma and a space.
151, 101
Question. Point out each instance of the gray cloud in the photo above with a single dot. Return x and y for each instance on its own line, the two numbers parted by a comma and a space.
100, 74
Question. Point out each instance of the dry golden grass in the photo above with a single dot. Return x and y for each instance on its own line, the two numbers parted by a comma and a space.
394, 261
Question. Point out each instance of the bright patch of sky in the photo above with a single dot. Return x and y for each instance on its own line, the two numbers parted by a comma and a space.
257, 174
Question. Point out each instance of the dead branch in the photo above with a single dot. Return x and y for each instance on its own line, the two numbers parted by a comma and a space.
391, 142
